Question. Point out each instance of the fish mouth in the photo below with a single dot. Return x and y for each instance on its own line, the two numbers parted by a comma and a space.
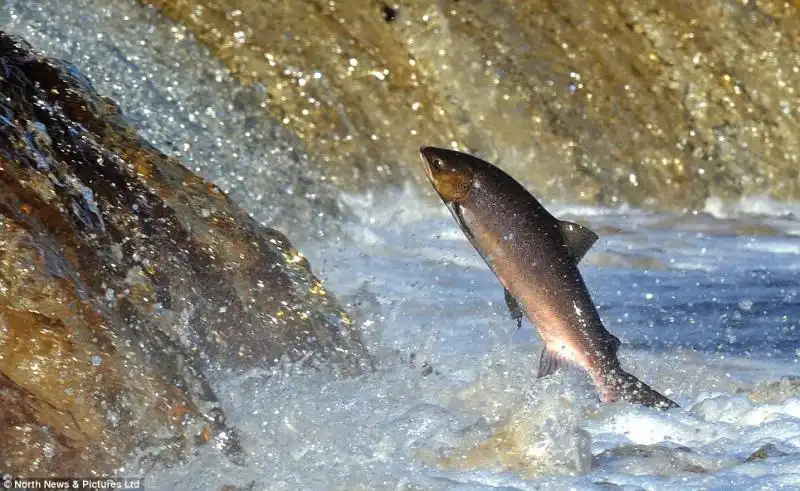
427, 154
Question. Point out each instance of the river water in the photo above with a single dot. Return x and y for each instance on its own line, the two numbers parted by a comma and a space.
706, 305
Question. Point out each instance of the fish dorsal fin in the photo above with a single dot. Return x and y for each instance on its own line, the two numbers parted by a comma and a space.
579, 239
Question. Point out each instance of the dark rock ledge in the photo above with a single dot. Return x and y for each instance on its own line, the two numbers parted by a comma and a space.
127, 284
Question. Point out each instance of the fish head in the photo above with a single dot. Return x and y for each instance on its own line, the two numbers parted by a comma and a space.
452, 173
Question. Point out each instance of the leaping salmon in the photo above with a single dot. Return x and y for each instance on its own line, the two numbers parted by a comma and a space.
535, 256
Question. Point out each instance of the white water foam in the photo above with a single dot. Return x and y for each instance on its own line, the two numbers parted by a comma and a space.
454, 403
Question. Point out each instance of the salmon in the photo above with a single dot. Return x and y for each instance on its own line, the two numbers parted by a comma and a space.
535, 257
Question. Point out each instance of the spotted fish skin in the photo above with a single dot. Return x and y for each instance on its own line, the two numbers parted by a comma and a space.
535, 257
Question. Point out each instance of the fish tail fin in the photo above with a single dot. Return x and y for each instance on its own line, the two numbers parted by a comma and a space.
621, 385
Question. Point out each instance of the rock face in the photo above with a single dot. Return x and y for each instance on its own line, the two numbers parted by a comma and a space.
126, 284
653, 103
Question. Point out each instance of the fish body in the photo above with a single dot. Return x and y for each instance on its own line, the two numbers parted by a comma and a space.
535, 257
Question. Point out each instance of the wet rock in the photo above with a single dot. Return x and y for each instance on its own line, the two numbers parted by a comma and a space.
186, 104
127, 285
657, 459
774, 391
230, 487
653, 103
764, 452
520, 446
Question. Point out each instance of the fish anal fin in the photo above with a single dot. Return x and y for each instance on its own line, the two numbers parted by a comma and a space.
549, 363
513, 308
579, 239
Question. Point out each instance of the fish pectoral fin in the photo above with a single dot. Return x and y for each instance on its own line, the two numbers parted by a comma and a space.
579, 239
455, 210
513, 308
549, 363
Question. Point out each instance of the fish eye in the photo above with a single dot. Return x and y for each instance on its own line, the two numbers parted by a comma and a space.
438, 163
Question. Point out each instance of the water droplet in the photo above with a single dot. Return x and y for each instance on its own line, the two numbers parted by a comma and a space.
112, 418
